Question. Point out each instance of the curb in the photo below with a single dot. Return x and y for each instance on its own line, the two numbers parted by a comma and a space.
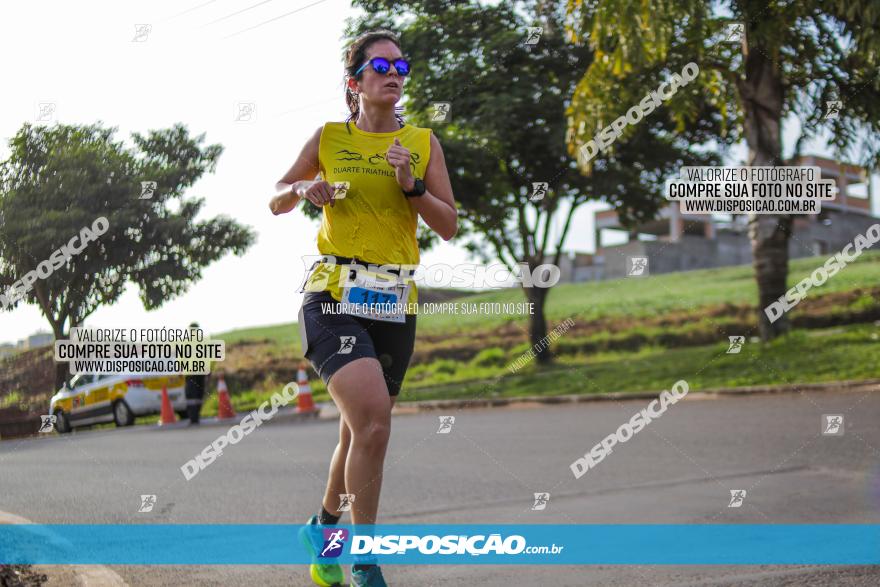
283, 415
83, 575
429, 405
328, 411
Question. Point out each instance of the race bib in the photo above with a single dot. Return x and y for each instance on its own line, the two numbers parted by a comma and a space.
369, 295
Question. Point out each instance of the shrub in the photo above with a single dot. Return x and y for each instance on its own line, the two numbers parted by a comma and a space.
446, 366
492, 357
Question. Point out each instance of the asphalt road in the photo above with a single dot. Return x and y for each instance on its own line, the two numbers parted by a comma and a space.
680, 469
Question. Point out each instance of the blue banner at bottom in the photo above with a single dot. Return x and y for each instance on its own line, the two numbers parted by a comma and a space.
415, 544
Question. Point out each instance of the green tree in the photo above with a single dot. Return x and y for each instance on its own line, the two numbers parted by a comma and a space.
508, 124
60, 179
792, 58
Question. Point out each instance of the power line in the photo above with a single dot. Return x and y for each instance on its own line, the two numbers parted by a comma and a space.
188, 10
238, 12
274, 19
333, 99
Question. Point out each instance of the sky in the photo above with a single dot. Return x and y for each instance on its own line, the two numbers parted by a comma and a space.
197, 61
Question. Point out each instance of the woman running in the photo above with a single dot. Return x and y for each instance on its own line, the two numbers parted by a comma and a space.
377, 176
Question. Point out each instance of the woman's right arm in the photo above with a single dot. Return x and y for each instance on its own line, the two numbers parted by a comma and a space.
297, 184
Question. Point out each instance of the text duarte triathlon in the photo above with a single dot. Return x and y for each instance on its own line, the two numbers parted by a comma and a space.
607, 135
627, 430
56, 260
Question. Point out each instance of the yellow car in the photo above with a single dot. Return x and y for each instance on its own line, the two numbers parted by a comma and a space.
119, 398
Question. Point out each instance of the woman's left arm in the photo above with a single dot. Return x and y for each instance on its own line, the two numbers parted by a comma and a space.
437, 205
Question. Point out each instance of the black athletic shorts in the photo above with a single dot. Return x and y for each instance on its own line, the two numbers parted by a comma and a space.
332, 340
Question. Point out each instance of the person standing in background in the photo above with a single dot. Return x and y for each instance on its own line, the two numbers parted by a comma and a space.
194, 391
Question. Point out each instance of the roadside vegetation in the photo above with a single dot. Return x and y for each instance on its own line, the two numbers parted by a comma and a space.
629, 335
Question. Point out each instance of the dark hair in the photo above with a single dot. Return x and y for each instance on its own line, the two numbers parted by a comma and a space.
355, 56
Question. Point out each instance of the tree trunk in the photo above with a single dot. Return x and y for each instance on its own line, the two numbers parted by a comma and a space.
761, 93
62, 370
538, 325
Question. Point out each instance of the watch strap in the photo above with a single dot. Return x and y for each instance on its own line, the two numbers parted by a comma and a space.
418, 189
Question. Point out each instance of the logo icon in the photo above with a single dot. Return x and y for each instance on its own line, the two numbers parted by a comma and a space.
832, 424
539, 190
345, 501
414, 160
736, 344
346, 155
541, 500
334, 541
346, 344
534, 35
148, 188
446, 423
45, 111
442, 110
736, 498
377, 159
47, 423
141, 32
245, 112
832, 109
734, 32
147, 503
636, 266
340, 189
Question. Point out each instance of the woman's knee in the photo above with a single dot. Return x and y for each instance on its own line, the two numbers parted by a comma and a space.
344, 435
360, 391
373, 434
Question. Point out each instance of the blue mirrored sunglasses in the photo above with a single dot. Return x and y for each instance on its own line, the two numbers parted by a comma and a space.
382, 66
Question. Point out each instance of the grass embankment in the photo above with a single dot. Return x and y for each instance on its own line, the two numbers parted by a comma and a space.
629, 335
832, 354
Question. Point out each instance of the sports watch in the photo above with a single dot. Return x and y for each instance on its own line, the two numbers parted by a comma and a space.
418, 189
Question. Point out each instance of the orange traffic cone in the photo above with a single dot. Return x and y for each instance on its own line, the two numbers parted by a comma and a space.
224, 406
167, 416
304, 402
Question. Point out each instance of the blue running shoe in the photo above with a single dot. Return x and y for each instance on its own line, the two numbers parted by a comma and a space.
372, 577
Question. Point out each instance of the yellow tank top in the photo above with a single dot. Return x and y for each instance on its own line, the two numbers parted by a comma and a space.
375, 222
